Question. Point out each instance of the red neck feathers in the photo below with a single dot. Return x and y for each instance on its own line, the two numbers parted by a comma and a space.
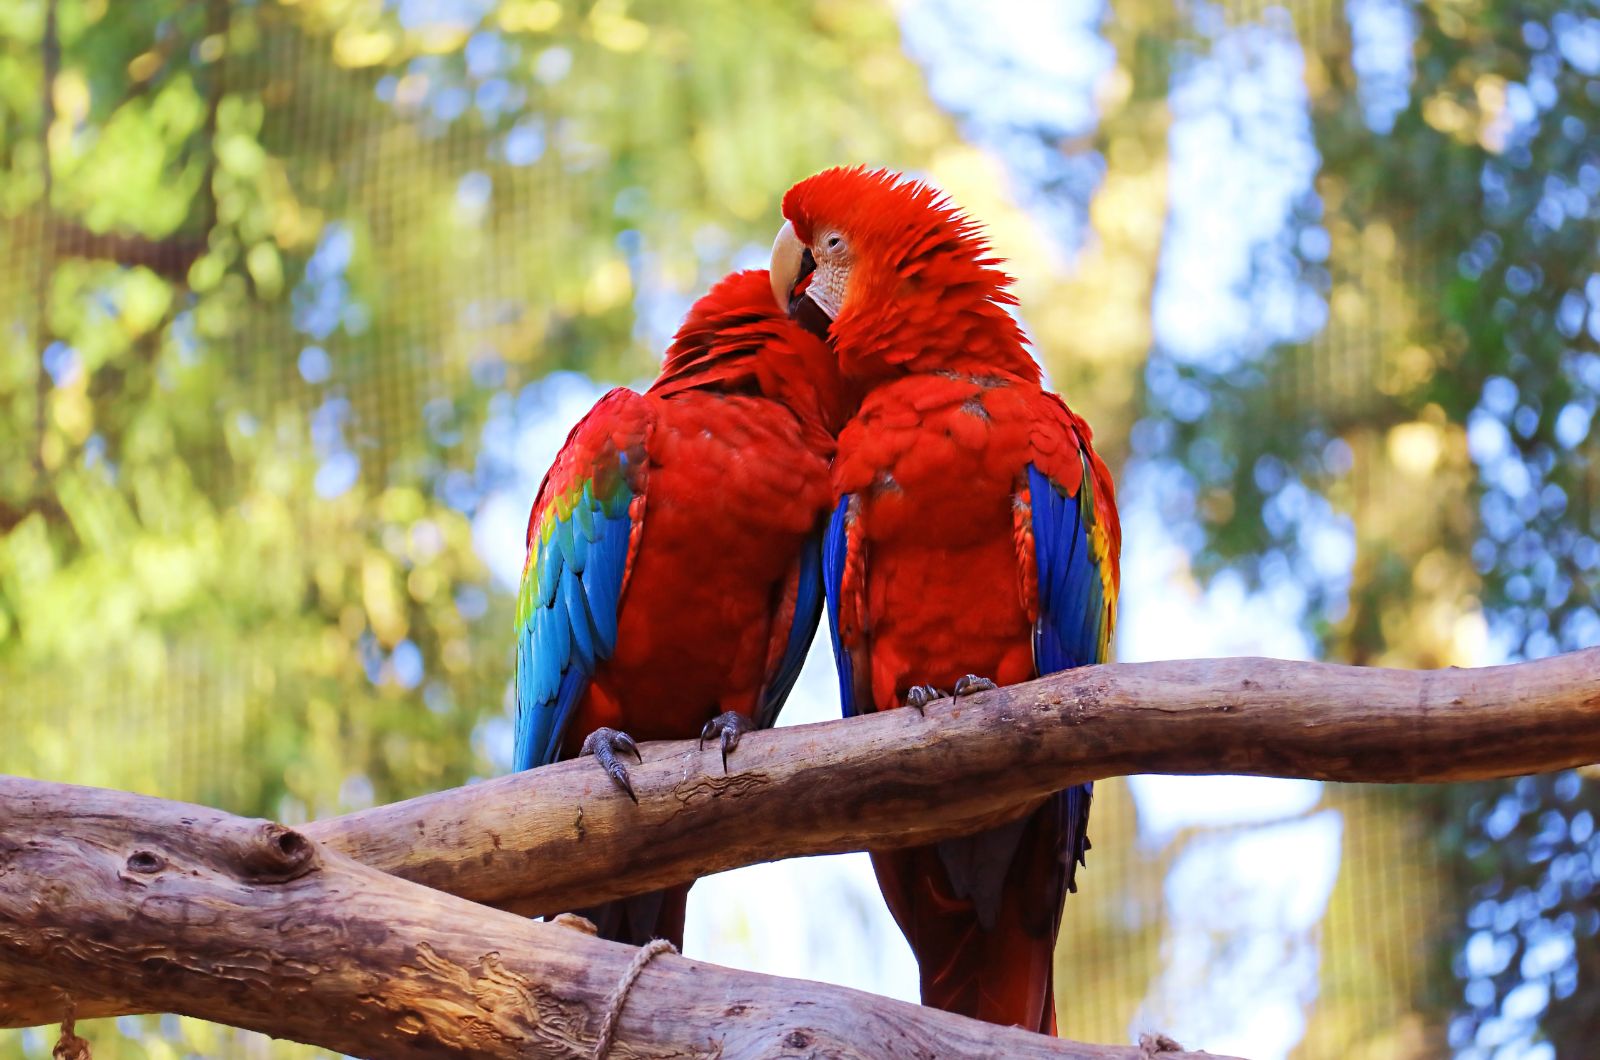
737, 340
924, 292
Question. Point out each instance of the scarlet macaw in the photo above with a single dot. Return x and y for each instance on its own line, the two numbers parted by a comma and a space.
672, 583
975, 533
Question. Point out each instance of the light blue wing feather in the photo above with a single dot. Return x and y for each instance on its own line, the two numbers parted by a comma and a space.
580, 539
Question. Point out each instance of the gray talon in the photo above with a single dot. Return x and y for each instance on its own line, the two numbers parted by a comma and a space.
726, 727
972, 684
919, 696
604, 744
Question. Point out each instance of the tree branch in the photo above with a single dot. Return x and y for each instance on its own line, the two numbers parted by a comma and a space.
562, 837
171, 907
168, 257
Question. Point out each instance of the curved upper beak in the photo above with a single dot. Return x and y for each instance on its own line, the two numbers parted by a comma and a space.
788, 259
791, 268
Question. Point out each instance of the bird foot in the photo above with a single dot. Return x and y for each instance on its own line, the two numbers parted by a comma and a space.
605, 744
971, 685
919, 696
726, 727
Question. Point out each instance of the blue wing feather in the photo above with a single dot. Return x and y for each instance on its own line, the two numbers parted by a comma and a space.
1071, 595
834, 549
807, 614
549, 576
567, 693
572, 587
568, 548
608, 559
583, 512
579, 623
571, 626
1071, 611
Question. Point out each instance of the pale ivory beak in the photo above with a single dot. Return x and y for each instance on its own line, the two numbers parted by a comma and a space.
787, 251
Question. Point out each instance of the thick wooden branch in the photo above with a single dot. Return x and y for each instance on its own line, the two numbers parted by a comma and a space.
562, 837
168, 907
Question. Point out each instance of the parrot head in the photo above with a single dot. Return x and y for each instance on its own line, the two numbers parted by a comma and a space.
895, 277
736, 339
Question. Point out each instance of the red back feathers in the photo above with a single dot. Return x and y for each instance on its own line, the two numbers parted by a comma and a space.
736, 339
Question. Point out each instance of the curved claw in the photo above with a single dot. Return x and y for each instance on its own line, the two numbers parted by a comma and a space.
728, 727
919, 696
605, 744
972, 684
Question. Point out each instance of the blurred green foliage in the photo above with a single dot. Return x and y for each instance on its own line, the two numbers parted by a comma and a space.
264, 264
262, 267
1445, 408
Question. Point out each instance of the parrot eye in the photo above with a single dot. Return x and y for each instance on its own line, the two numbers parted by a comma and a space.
835, 242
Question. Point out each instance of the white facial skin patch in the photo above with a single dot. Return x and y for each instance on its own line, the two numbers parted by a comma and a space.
832, 254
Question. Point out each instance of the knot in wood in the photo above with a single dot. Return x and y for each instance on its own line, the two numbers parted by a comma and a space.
146, 862
277, 855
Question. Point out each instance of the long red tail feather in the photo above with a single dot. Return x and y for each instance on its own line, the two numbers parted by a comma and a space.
1002, 974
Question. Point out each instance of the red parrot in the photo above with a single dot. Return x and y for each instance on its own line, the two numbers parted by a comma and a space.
672, 583
975, 533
